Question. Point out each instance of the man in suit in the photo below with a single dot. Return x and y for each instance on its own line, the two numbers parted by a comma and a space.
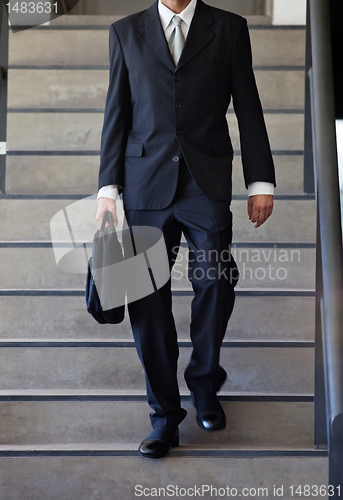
166, 146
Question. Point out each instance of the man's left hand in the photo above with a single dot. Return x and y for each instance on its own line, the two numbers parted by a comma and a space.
260, 207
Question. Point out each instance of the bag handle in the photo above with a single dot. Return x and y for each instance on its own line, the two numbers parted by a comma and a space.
107, 217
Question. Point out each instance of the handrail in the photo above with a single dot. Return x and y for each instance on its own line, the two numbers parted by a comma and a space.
329, 317
1, 68
2, 72
3, 92
1, 14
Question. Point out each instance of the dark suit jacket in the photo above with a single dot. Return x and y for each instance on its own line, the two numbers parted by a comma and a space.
156, 111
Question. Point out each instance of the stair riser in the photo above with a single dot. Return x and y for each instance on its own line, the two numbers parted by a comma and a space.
87, 89
73, 478
249, 425
35, 268
265, 268
253, 319
87, 47
278, 47
250, 370
289, 171
284, 226
82, 131
79, 174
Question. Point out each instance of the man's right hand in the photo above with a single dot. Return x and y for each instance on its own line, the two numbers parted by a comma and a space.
104, 205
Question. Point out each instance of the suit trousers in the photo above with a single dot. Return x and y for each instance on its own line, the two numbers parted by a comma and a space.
207, 227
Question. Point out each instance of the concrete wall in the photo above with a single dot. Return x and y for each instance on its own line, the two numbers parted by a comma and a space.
289, 11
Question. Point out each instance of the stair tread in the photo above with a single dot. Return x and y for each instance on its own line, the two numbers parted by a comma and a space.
77, 478
260, 269
130, 342
253, 318
283, 46
136, 393
36, 215
105, 370
82, 131
93, 20
133, 447
78, 175
84, 90
250, 425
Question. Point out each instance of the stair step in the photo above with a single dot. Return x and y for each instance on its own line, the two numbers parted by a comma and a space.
278, 47
290, 370
271, 47
84, 89
79, 174
250, 425
104, 20
289, 171
264, 269
281, 89
29, 220
78, 478
52, 174
82, 131
59, 47
253, 319
84, 20
283, 226
285, 131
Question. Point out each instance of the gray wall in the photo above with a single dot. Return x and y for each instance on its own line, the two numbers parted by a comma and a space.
125, 7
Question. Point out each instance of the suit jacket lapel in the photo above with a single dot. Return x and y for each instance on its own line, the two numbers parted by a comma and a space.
199, 34
198, 37
152, 35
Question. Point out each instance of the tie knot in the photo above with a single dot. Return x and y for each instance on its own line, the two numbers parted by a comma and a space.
176, 20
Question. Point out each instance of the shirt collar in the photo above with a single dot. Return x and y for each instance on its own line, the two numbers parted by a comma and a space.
167, 14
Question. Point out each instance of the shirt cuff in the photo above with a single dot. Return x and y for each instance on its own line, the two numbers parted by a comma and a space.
255, 188
110, 191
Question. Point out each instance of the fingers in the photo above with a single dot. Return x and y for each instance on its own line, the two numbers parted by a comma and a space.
260, 208
263, 215
104, 205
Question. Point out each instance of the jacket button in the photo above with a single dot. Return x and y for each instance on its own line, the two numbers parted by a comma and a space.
177, 78
179, 132
178, 105
176, 159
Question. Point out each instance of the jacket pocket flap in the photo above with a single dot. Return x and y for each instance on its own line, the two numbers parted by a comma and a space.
134, 149
222, 148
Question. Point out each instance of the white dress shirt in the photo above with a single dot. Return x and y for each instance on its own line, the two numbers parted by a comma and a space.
166, 15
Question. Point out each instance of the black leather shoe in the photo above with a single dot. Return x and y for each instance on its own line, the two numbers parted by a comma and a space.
210, 414
158, 443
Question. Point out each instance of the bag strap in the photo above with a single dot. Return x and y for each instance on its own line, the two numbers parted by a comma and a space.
107, 217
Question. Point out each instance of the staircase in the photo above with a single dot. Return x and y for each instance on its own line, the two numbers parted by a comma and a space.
72, 392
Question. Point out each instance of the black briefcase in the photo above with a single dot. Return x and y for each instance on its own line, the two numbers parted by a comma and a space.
106, 253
